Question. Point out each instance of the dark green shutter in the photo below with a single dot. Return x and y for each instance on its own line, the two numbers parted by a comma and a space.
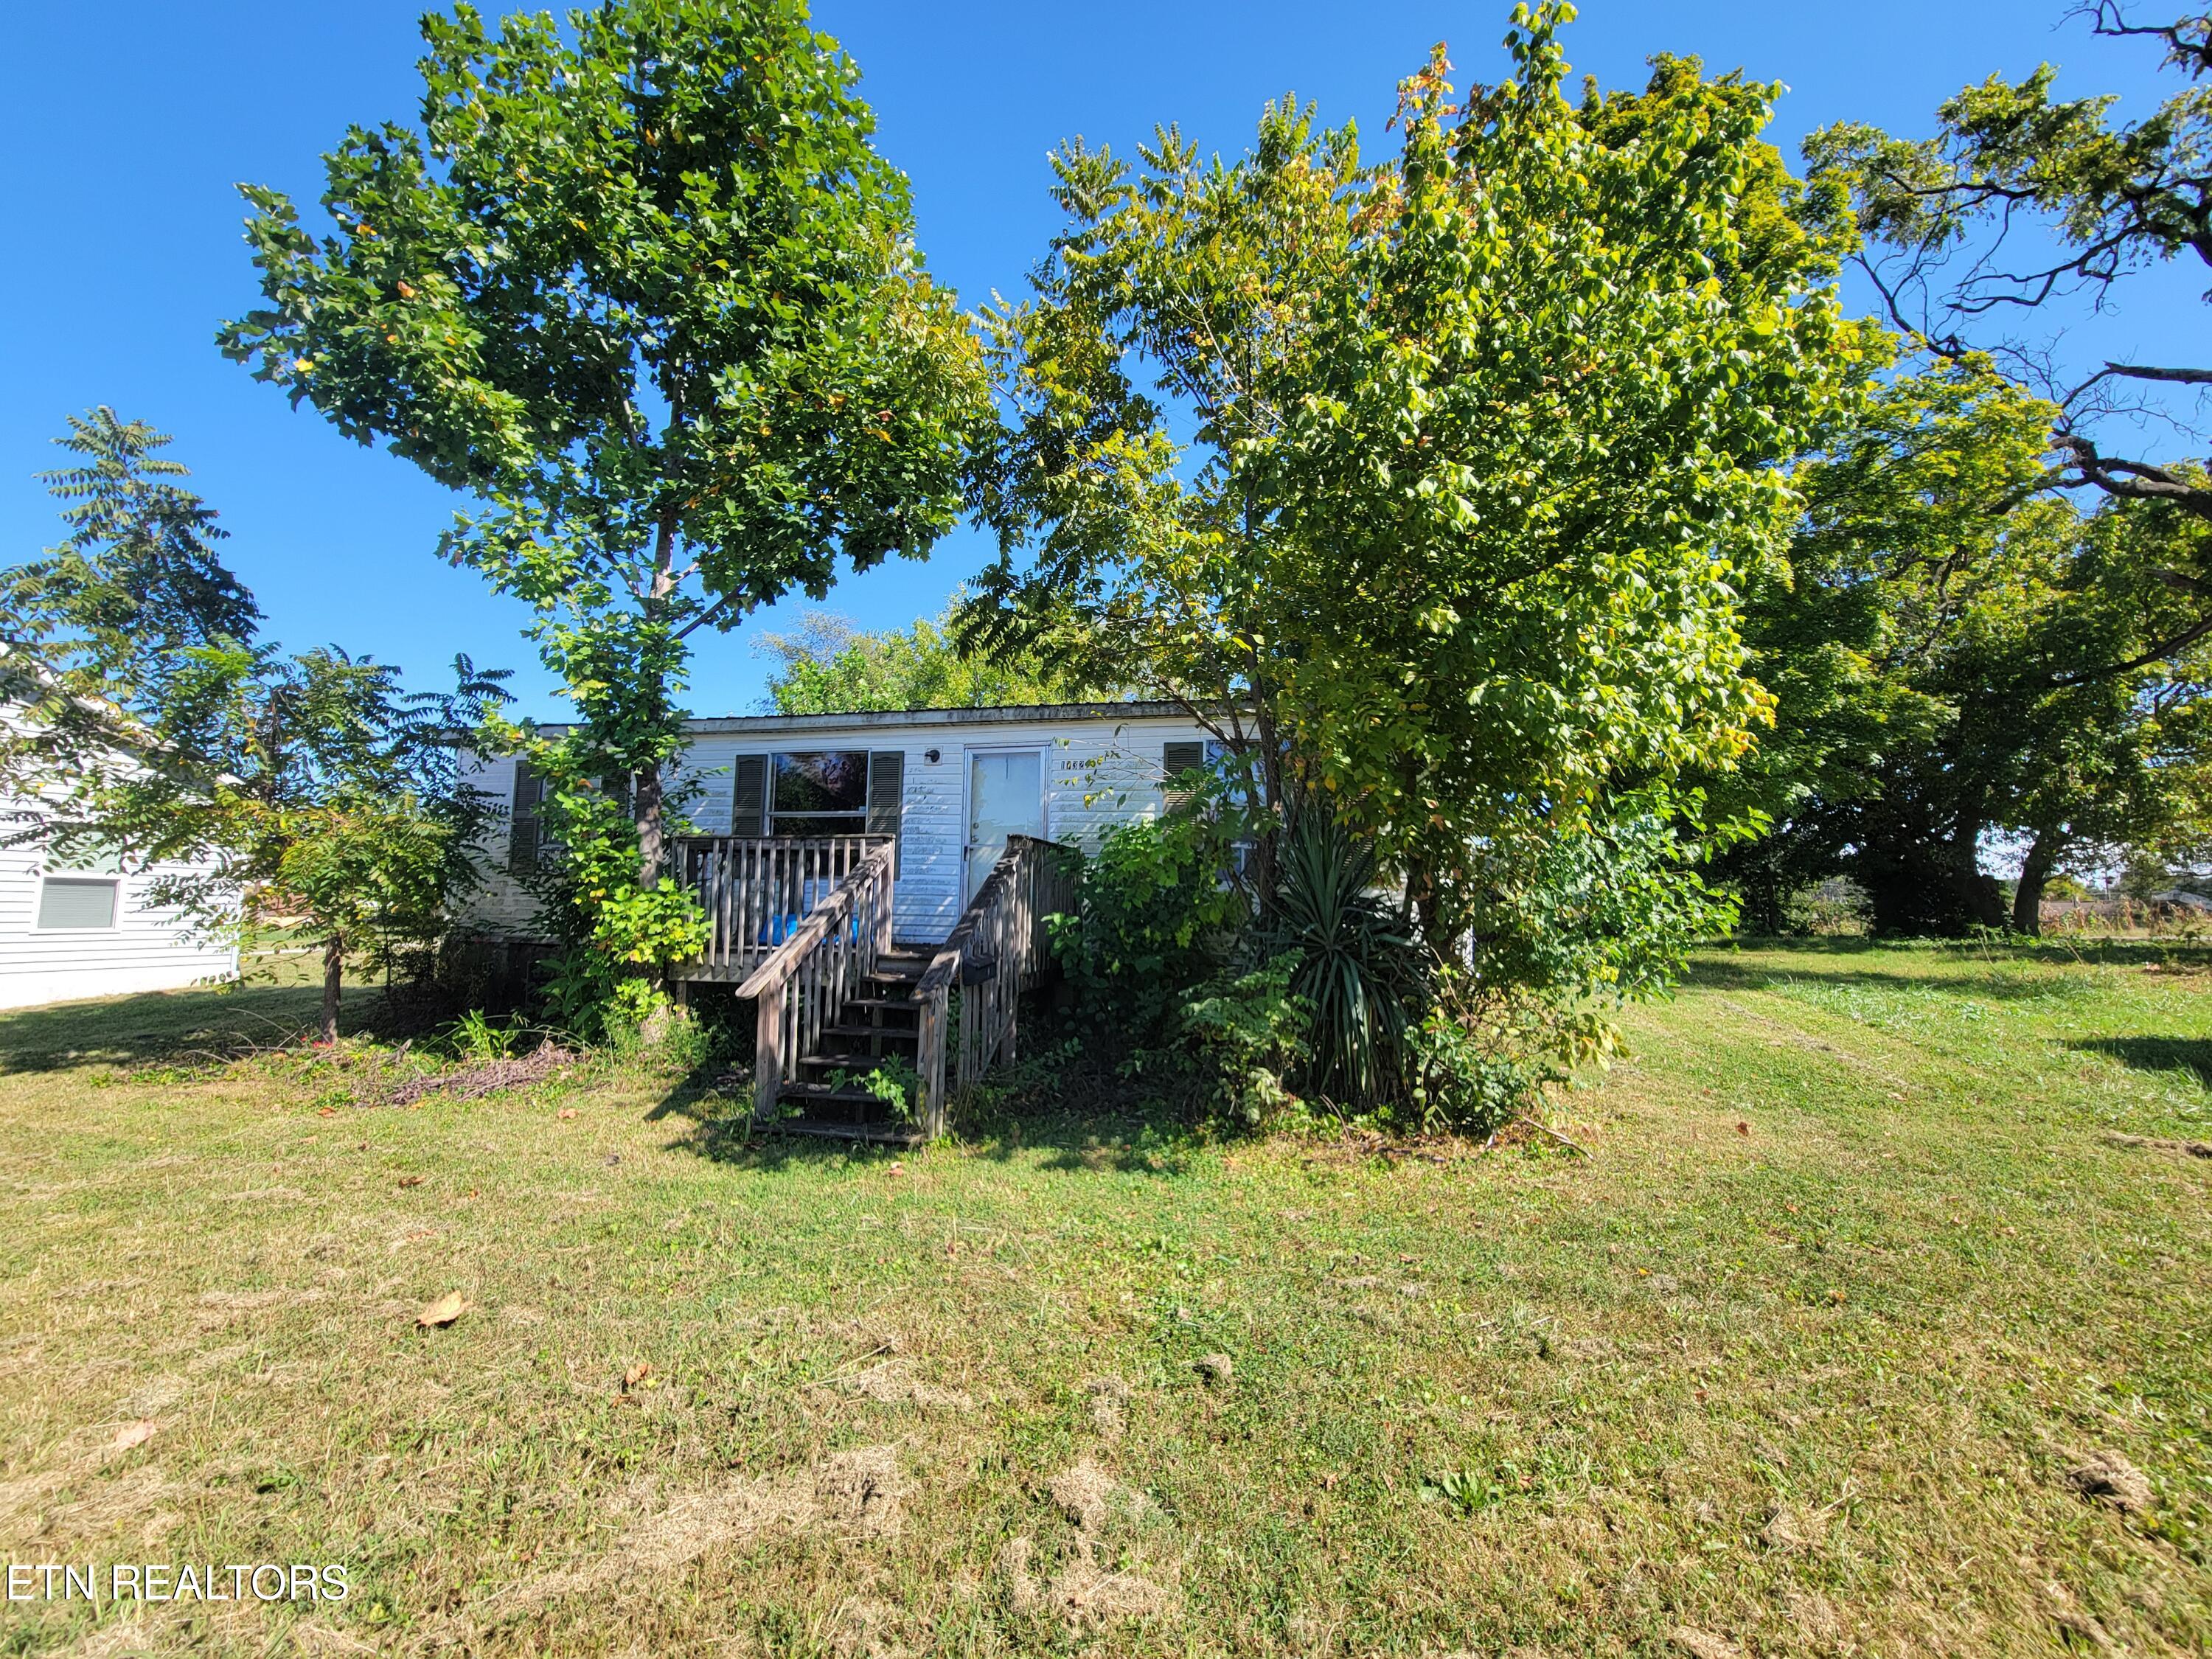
1177, 758
749, 796
526, 832
887, 799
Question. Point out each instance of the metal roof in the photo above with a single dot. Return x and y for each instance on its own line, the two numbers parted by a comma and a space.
1037, 714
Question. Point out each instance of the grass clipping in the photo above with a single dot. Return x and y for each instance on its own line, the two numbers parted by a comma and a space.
854, 1494
1083, 1593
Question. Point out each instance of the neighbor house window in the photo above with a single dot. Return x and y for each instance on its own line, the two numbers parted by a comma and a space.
77, 902
80, 887
823, 792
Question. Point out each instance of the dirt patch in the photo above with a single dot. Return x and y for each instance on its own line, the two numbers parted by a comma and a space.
860, 1491
487, 1077
1085, 1494
1703, 1645
1792, 1527
1087, 1595
2160, 1143
681, 1532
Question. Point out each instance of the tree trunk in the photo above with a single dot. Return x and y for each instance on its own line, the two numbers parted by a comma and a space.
333, 972
652, 837
1975, 897
2035, 870
646, 799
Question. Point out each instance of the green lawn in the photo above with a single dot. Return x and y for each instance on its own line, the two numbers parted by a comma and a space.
1797, 1361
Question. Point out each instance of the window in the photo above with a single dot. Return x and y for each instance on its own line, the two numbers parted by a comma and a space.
77, 901
822, 794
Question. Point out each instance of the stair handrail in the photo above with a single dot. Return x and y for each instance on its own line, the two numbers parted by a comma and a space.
803, 984
996, 950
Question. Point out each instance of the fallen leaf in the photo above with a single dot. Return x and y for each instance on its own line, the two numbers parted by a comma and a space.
134, 1434
568, 1112
636, 1374
410, 1181
328, 1112
444, 1311
1743, 1128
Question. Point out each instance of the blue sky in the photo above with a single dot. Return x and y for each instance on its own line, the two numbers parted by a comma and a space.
124, 127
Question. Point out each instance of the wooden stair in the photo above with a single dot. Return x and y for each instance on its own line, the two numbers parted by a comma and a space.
883, 1025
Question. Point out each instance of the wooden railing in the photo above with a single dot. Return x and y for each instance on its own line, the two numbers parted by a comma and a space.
997, 949
758, 889
803, 984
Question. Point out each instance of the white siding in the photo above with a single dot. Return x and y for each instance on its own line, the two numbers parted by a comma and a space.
1100, 771
147, 950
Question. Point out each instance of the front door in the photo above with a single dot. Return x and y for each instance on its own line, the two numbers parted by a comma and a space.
1005, 797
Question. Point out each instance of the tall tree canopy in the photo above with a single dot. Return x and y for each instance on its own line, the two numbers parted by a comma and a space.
1483, 440
1957, 656
91, 632
828, 667
641, 283
2021, 200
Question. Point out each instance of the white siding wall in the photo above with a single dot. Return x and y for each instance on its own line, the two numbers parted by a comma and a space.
1098, 773
145, 951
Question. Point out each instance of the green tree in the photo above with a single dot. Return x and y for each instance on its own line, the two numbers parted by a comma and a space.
828, 667
1541, 451
1959, 656
1480, 442
1183, 287
310, 790
641, 284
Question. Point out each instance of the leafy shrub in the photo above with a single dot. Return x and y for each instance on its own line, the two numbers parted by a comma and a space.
1479, 1057
1574, 926
1156, 920
1830, 909
1605, 914
1242, 1034
893, 1080
475, 1036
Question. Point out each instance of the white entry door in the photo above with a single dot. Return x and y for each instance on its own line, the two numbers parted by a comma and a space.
1005, 797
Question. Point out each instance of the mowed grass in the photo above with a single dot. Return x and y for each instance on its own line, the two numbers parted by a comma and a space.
1796, 1361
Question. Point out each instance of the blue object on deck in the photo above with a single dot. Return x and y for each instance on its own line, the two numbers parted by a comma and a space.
777, 928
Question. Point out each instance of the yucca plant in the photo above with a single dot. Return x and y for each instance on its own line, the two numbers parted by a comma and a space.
1356, 970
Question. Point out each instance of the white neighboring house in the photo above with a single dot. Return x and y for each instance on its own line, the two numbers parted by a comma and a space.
82, 927
952, 784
